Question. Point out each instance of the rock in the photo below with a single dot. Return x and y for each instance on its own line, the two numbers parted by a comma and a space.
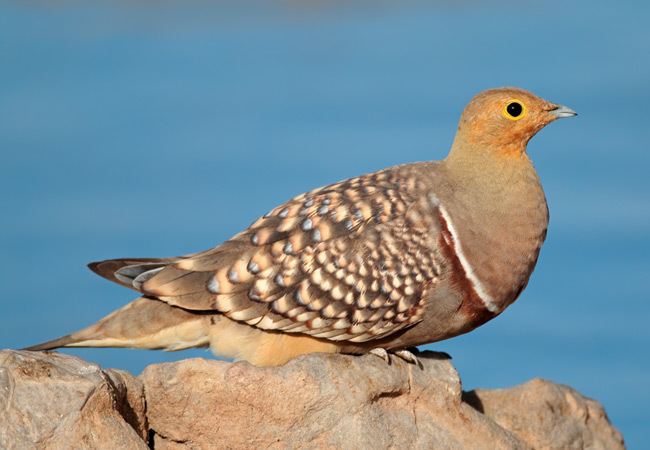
315, 402
548, 415
55, 401
130, 400
52, 401
360, 402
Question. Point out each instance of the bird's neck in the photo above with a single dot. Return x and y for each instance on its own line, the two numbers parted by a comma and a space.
469, 155
502, 174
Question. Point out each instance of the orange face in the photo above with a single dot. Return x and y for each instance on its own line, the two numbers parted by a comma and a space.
507, 118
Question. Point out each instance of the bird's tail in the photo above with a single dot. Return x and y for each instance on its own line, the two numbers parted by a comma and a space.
144, 323
63, 341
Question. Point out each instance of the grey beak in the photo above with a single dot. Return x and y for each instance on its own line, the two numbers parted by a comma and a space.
562, 111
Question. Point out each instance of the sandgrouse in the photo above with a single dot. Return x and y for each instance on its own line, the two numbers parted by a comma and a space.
380, 263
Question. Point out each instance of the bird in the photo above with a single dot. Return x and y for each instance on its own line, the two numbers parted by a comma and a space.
380, 263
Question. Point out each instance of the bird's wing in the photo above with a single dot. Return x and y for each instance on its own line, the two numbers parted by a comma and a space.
350, 261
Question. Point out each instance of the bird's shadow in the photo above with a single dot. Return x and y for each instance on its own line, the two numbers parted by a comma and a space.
429, 354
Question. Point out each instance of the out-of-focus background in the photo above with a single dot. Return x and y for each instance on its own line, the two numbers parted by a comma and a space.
161, 128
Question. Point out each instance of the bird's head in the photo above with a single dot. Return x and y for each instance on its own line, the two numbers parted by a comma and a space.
504, 120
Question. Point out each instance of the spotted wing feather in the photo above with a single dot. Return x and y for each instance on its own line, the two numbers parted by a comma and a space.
350, 261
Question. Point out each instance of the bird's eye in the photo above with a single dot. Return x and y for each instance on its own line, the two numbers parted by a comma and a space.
514, 110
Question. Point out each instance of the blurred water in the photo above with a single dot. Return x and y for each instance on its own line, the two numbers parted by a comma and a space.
155, 129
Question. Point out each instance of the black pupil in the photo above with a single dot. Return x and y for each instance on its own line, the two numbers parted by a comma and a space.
515, 109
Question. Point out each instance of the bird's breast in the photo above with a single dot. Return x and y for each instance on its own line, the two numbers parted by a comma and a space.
491, 249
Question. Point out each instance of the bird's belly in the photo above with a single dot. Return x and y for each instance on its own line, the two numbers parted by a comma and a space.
259, 347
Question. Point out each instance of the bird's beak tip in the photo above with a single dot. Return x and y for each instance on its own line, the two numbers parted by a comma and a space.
561, 111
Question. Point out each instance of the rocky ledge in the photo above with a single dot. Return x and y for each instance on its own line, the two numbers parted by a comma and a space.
56, 401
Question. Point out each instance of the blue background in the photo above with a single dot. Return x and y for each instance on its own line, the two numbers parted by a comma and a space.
162, 128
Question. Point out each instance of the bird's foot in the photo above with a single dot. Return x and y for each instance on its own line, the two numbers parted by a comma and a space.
406, 355
382, 353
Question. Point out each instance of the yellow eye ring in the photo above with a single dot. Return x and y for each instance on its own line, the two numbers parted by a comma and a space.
514, 109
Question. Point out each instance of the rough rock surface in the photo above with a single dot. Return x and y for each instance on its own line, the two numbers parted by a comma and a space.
317, 401
55, 401
548, 415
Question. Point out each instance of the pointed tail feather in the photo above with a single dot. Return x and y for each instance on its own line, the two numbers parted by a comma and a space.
53, 344
144, 323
